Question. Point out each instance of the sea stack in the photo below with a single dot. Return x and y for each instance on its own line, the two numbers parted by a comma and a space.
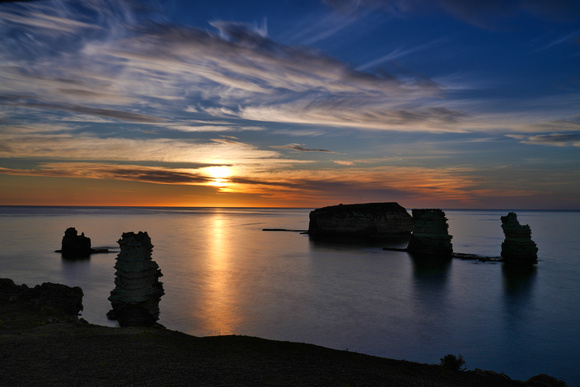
518, 246
430, 233
74, 245
360, 220
137, 293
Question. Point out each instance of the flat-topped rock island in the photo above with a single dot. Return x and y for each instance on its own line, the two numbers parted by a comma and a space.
365, 220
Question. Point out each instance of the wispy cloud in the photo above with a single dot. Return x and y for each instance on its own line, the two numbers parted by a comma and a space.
107, 113
299, 148
554, 139
81, 146
44, 22
237, 66
155, 175
449, 185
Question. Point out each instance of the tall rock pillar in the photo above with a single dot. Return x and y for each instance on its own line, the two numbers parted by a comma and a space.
430, 233
518, 246
137, 293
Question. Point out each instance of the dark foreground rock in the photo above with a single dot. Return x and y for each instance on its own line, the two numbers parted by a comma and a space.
96, 356
39, 352
360, 220
44, 303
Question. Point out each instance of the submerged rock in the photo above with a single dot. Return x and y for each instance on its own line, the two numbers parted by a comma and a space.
137, 293
518, 246
430, 233
361, 220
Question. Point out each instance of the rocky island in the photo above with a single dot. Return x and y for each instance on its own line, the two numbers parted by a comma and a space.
430, 233
77, 246
361, 220
518, 246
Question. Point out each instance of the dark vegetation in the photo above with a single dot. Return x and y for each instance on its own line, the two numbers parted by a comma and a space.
453, 363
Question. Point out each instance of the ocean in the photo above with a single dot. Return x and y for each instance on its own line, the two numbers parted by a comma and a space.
223, 274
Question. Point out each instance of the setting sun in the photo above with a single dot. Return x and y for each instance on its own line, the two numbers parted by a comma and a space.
219, 172
219, 175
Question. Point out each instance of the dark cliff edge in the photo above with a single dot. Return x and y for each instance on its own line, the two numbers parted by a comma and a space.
372, 220
45, 343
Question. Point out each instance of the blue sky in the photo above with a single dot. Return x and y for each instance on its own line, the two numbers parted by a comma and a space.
444, 103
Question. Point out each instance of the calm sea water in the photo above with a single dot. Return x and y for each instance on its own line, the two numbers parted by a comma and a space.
223, 275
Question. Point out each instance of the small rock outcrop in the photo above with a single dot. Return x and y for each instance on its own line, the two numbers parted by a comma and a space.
361, 220
49, 301
137, 293
74, 245
518, 246
430, 233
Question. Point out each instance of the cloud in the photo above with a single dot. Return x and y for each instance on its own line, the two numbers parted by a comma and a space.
553, 139
155, 175
299, 147
158, 176
344, 162
364, 114
443, 185
251, 62
80, 146
44, 22
107, 113
122, 69
572, 125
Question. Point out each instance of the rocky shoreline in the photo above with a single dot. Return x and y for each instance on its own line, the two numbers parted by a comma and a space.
41, 344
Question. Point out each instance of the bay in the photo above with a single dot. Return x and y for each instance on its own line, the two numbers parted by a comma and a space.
223, 275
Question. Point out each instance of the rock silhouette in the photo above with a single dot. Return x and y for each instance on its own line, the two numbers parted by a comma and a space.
74, 245
137, 293
77, 246
518, 246
361, 220
430, 233
53, 301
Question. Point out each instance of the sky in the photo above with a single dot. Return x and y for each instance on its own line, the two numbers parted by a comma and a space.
290, 103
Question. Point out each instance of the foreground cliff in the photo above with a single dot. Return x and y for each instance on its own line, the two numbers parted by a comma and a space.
67, 352
361, 220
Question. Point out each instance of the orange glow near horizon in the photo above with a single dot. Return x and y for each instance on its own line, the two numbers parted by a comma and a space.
410, 187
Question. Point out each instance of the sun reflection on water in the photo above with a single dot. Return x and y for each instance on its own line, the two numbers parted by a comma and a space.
222, 315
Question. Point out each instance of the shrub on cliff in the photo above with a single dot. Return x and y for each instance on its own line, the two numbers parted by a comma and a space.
453, 363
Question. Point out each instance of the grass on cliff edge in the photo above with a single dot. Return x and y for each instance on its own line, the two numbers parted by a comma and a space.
65, 353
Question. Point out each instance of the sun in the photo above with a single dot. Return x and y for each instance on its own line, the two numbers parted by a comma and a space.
218, 175
218, 172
